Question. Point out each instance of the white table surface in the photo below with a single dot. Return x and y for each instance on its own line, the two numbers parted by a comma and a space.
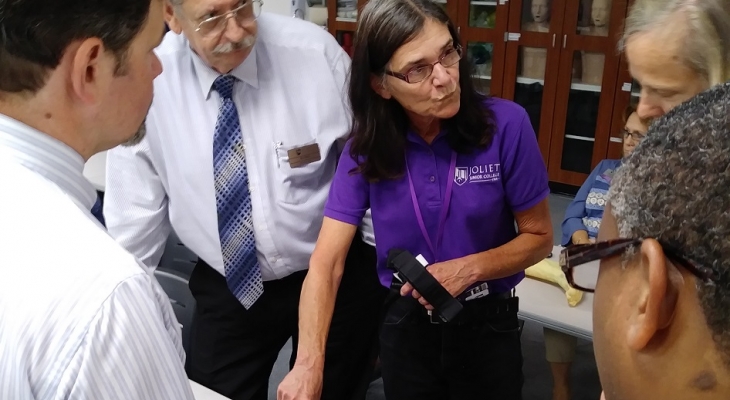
201, 392
95, 171
545, 304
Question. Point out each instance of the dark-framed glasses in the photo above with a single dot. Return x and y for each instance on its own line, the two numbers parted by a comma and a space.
245, 13
578, 262
633, 135
420, 72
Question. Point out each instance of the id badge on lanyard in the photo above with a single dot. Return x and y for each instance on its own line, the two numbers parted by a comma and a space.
481, 289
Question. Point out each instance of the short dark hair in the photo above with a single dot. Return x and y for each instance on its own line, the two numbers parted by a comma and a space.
34, 34
675, 187
380, 125
630, 110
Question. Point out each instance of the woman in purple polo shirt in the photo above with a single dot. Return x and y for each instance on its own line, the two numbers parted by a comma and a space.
446, 172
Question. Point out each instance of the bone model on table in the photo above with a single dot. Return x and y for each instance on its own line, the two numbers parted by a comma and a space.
548, 270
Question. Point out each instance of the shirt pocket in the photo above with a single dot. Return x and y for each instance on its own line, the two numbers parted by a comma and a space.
297, 184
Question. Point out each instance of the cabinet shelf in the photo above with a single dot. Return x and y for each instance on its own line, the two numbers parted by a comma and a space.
529, 81
584, 87
484, 77
583, 138
482, 3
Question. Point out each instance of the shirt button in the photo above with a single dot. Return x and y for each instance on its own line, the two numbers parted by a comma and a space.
432, 178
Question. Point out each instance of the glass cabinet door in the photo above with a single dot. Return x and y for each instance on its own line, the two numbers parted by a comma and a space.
627, 96
481, 55
346, 10
483, 14
342, 21
532, 60
482, 25
586, 86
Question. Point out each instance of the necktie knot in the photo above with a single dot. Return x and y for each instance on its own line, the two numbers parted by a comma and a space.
224, 86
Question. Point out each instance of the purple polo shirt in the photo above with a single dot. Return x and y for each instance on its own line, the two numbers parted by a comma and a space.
490, 185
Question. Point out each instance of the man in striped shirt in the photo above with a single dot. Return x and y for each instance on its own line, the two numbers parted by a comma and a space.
80, 318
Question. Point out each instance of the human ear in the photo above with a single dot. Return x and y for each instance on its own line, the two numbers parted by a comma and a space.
658, 295
378, 85
171, 19
88, 69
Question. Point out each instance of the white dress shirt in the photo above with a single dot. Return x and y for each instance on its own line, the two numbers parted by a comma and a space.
291, 92
80, 318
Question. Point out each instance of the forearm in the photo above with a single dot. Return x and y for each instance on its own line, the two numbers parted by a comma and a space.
513, 257
316, 306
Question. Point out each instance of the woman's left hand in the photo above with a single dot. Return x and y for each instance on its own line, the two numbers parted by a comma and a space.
453, 275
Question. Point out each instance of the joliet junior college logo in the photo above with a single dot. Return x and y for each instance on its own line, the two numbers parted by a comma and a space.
477, 173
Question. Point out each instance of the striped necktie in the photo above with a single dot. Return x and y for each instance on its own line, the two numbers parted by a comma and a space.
233, 200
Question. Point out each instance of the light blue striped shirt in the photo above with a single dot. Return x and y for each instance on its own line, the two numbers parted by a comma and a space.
79, 316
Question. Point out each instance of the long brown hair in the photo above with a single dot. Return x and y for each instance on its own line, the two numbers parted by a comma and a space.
380, 125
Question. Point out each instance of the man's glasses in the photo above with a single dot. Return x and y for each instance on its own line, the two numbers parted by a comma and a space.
420, 72
585, 278
633, 135
243, 14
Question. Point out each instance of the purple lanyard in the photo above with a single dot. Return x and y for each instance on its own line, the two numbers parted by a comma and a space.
444, 207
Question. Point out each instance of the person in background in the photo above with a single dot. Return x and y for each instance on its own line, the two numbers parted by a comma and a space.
580, 226
661, 309
80, 317
249, 119
446, 173
583, 215
676, 49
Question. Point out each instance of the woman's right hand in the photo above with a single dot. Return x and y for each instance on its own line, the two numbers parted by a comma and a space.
580, 237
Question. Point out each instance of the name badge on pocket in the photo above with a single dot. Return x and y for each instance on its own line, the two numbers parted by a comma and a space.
301, 156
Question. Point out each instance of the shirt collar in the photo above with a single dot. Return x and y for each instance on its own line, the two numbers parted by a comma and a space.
47, 157
414, 137
246, 72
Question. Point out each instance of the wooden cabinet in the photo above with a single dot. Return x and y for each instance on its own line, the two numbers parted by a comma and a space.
556, 58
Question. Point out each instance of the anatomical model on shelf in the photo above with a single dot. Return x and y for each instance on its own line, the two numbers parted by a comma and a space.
549, 271
540, 10
534, 59
593, 62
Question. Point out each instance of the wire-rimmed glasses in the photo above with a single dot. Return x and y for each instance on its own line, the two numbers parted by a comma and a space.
243, 14
420, 72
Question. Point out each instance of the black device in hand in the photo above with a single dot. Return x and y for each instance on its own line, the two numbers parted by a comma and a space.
411, 270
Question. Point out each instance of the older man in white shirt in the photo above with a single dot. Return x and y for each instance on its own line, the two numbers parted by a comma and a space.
243, 137
80, 318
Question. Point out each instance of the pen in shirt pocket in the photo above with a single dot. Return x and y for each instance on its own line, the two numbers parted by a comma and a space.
277, 146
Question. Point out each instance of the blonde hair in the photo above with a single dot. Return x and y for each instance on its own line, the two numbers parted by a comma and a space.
707, 42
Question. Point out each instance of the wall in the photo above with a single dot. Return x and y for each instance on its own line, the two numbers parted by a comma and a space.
316, 14
278, 6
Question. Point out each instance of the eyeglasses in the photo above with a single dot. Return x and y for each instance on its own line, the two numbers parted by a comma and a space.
633, 135
420, 72
245, 13
585, 278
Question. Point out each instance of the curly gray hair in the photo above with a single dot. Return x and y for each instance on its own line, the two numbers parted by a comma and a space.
675, 187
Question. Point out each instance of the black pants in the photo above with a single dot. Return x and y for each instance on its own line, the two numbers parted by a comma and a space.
478, 356
233, 350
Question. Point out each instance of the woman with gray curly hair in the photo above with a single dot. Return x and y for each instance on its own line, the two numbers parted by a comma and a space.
661, 311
